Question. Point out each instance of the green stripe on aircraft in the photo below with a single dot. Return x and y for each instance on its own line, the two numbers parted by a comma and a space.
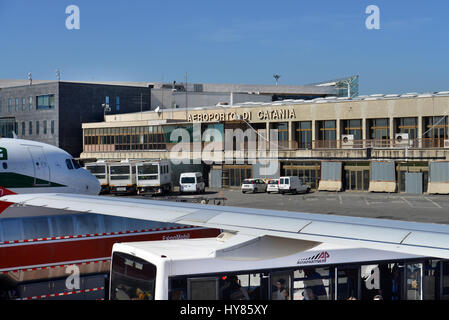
3, 154
16, 180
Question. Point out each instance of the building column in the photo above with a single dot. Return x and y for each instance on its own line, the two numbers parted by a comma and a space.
419, 136
313, 133
267, 126
364, 130
338, 134
391, 127
291, 135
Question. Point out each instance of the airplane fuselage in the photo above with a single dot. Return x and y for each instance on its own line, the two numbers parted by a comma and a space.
34, 167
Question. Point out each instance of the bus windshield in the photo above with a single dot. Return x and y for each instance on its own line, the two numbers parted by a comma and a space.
147, 169
120, 169
131, 278
96, 169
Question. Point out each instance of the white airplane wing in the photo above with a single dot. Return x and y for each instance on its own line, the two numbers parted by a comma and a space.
422, 239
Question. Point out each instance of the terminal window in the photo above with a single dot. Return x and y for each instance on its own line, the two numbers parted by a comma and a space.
46, 102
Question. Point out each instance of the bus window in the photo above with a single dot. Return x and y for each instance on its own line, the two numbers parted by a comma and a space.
280, 284
202, 288
235, 287
413, 280
348, 283
313, 284
257, 289
430, 279
132, 278
178, 289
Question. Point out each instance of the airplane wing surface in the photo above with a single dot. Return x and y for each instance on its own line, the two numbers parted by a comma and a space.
424, 239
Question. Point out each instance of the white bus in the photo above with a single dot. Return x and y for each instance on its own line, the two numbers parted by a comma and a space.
212, 269
122, 177
100, 170
154, 177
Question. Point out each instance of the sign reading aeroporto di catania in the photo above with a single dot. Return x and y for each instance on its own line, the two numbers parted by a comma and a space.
277, 114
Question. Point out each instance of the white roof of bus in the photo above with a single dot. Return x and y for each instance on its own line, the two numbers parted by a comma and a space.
196, 256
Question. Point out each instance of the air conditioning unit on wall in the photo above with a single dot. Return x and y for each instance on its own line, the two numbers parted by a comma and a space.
347, 140
446, 143
401, 139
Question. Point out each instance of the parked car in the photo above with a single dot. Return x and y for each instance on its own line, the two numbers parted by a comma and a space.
273, 185
292, 184
253, 185
191, 182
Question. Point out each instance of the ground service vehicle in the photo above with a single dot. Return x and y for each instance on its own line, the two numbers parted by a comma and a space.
186, 269
100, 170
154, 177
292, 184
191, 182
122, 177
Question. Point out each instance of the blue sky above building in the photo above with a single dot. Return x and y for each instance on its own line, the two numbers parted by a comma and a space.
230, 42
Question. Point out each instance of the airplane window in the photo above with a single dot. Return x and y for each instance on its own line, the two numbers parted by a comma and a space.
5, 165
76, 165
69, 164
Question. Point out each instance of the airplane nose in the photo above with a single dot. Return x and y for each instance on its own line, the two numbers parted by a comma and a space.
94, 187
91, 184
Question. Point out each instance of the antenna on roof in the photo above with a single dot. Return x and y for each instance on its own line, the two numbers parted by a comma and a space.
58, 74
30, 78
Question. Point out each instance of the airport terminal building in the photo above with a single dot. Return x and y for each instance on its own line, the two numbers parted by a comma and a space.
380, 143
51, 111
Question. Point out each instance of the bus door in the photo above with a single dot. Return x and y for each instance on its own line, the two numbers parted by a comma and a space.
281, 285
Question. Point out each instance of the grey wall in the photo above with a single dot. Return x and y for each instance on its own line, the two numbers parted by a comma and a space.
215, 178
439, 172
331, 171
414, 182
383, 171
33, 115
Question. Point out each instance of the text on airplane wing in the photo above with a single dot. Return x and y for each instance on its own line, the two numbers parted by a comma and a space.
423, 239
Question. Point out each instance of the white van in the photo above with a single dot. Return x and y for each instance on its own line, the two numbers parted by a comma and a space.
292, 184
191, 182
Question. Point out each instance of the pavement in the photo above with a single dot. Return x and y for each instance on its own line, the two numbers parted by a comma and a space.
418, 208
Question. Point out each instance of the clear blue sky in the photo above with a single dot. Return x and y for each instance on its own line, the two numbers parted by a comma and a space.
230, 42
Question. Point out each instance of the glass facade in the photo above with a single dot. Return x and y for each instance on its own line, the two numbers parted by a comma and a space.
435, 131
304, 134
125, 138
7, 127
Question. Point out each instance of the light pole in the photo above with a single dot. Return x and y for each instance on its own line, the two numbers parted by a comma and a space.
106, 108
